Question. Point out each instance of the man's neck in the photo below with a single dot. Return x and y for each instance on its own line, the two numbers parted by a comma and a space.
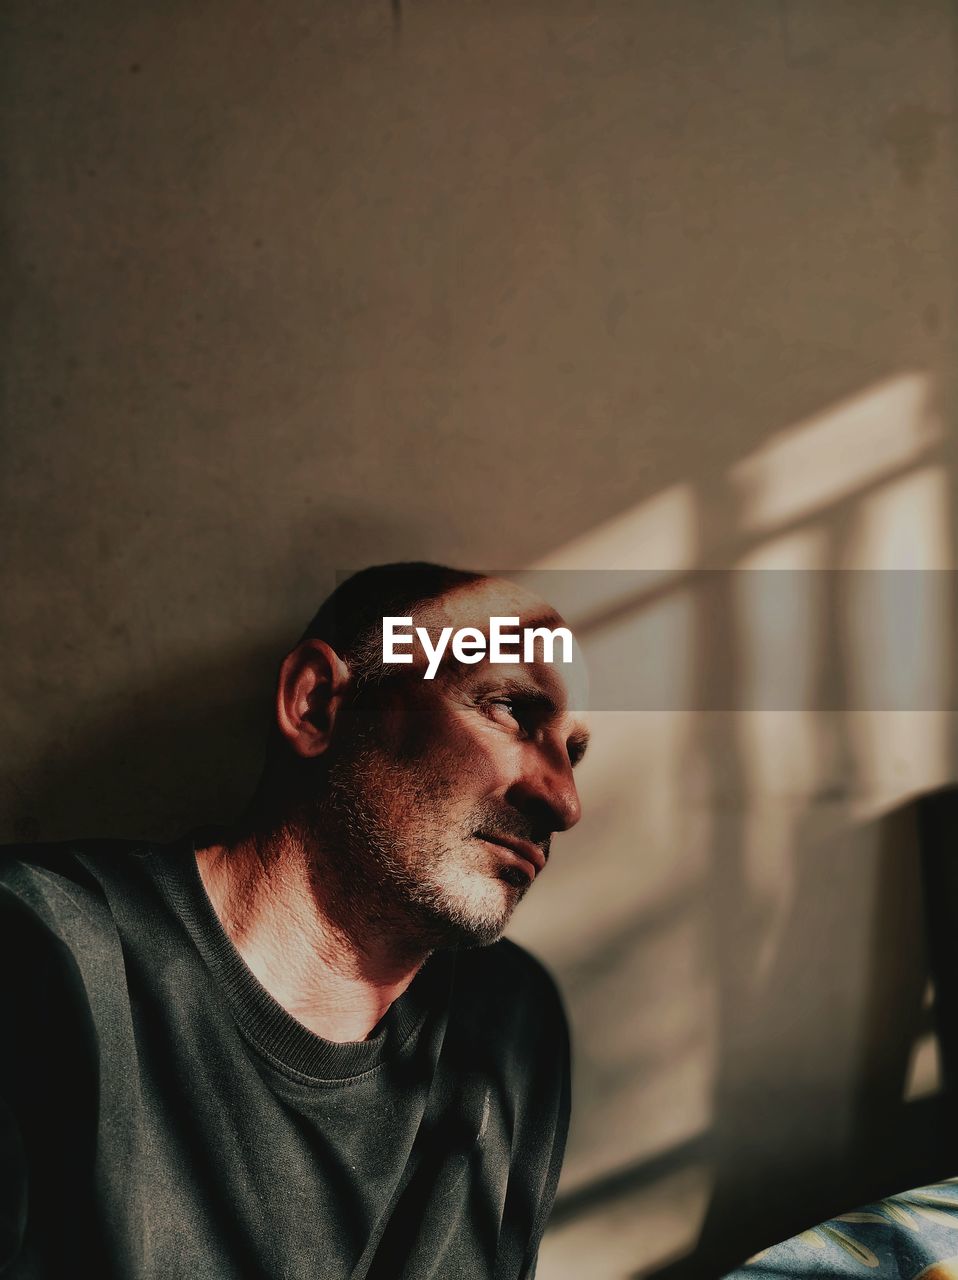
264, 894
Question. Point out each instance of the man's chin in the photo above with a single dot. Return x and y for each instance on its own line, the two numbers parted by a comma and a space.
466, 925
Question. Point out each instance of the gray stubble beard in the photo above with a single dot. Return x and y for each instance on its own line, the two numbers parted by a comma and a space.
366, 885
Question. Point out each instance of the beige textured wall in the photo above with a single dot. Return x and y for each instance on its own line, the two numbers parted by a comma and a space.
611, 284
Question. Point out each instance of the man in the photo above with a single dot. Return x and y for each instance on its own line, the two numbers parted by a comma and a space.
294, 1048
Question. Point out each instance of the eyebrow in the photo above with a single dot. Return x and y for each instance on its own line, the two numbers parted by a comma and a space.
578, 739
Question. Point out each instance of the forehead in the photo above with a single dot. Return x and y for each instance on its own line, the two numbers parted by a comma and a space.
474, 604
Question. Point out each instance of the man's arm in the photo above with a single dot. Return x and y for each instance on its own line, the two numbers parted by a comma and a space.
48, 1074
13, 1190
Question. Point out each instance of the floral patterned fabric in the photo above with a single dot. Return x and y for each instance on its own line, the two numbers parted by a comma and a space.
912, 1236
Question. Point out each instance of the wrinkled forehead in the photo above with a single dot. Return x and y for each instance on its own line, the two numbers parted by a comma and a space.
475, 603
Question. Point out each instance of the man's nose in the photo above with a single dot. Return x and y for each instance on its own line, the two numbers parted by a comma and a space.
547, 785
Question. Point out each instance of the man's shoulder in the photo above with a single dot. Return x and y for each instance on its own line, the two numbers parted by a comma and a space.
506, 960
504, 986
61, 884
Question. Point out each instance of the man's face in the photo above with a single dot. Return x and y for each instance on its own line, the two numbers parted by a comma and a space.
443, 795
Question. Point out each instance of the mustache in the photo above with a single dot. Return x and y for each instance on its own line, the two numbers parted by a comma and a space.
509, 823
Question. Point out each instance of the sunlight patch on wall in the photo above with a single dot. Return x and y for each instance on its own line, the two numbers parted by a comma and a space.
898, 631
782, 639
633, 1234
655, 539
659, 533
836, 454
923, 1078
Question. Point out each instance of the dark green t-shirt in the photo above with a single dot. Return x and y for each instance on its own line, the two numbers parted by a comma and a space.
161, 1116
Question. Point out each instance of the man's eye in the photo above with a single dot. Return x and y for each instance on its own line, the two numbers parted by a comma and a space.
513, 712
505, 706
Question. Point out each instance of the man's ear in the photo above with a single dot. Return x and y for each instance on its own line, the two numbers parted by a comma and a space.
313, 681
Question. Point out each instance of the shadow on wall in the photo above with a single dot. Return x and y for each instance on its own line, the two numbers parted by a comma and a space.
155, 761
149, 746
809, 718
814, 1054
777, 1089
816, 1104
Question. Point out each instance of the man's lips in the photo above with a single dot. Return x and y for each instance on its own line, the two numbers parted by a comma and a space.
524, 849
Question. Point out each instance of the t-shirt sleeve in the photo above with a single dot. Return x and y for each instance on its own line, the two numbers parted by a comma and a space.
13, 1189
47, 1089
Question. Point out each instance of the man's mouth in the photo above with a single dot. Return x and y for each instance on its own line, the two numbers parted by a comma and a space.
532, 855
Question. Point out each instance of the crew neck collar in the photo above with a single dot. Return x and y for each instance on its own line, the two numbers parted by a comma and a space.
280, 1037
